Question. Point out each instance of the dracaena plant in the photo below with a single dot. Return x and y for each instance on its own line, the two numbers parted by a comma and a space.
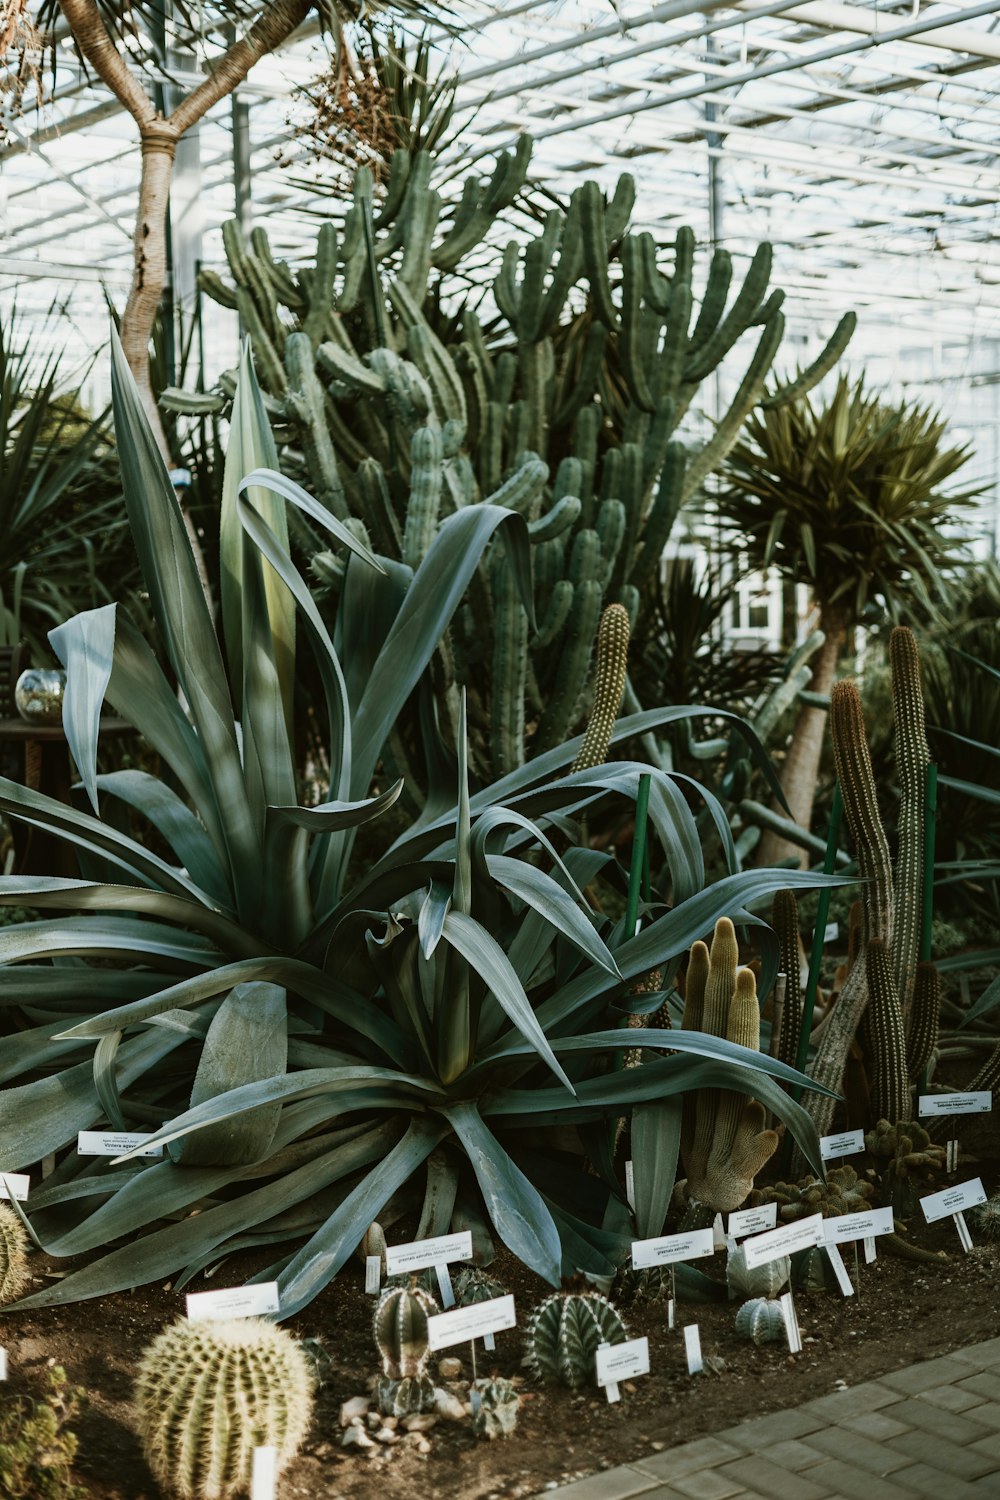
311, 1041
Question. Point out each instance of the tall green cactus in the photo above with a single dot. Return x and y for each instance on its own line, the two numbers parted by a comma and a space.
567, 408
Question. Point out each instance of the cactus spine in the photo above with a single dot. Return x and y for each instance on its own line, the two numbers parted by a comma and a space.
208, 1394
564, 1333
13, 1256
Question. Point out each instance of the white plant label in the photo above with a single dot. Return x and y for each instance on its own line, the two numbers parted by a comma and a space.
265, 1474
965, 1238
692, 1348
234, 1302
831, 932
473, 1322
847, 1143
373, 1274
669, 1248
3, 1364
630, 1185
951, 1157
953, 1200
839, 1269
445, 1289
752, 1220
783, 1240
114, 1143
670, 1312
978, 1103
858, 1226
870, 1250
618, 1362
14, 1185
792, 1330
718, 1234
418, 1255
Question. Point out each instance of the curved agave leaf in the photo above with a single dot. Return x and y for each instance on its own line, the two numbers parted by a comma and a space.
517, 1209
86, 647
484, 954
182, 614
176, 823
270, 479
247, 1040
655, 1140
104, 937
540, 891
317, 1263
329, 817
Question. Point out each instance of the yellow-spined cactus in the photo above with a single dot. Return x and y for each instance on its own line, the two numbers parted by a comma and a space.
13, 1256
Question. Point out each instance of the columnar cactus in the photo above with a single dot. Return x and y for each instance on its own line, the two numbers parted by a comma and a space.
13, 1255
400, 1329
209, 1393
785, 921
912, 759
495, 1407
564, 1333
925, 1020
609, 685
571, 413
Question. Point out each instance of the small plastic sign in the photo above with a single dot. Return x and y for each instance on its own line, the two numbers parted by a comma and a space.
980, 1102
14, 1185
953, 1200
473, 1322
847, 1143
114, 1143
783, 1240
418, 1255
744, 1221
669, 1248
264, 1480
373, 1275
234, 1302
861, 1226
692, 1348
618, 1362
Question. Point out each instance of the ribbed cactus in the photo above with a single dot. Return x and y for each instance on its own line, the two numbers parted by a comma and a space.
406, 1397
912, 759
564, 1333
209, 1393
761, 1321
495, 1407
785, 921
724, 1143
988, 1077
890, 1076
925, 1020
400, 1329
362, 371
475, 1286
13, 1256
755, 1281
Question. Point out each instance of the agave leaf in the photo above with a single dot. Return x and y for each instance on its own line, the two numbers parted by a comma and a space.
250, 447
517, 1209
988, 1000
103, 937
317, 1263
540, 891
181, 611
485, 955
86, 646
655, 1143
430, 921
176, 823
270, 479
327, 817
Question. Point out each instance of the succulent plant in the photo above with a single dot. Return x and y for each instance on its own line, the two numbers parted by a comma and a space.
906, 1160
495, 1407
406, 1397
400, 1328
843, 1192
755, 1281
564, 1333
209, 1393
761, 1320
474, 1286
985, 1218
13, 1255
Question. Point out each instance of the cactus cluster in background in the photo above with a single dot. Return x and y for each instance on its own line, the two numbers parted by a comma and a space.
564, 1333
843, 1192
495, 1407
13, 1256
472, 1285
403, 406
907, 1162
209, 1393
724, 1142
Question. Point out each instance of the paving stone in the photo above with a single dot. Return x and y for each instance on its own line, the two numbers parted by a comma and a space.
779, 1426
853, 1402
925, 1479
989, 1447
857, 1451
949, 1458
878, 1425
957, 1427
987, 1414
951, 1398
983, 1355
701, 1454
772, 1480
708, 1484
794, 1455
926, 1376
841, 1478
985, 1384
612, 1484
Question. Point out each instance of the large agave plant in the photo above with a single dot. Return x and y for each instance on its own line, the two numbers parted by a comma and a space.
308, 1041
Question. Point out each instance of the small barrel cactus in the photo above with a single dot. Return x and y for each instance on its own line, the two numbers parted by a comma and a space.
761, 1320
474, 1286
404, 1398
984, 1218
13, 1255
400, 1328
760, 1281
495, 1405
208, 1394
564, 1333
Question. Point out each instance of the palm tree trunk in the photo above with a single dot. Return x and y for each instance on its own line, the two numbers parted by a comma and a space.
801, 769
149, 264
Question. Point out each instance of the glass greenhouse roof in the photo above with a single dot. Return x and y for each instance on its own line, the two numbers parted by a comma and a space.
861, 139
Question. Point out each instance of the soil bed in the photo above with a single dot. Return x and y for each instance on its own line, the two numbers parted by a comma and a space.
906, 1311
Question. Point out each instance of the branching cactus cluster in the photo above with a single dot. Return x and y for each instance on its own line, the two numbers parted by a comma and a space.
843, 1192
566, 405
208, 1394
897, 997
724, 1142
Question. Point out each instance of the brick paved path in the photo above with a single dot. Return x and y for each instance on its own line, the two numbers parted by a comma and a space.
932, 1430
